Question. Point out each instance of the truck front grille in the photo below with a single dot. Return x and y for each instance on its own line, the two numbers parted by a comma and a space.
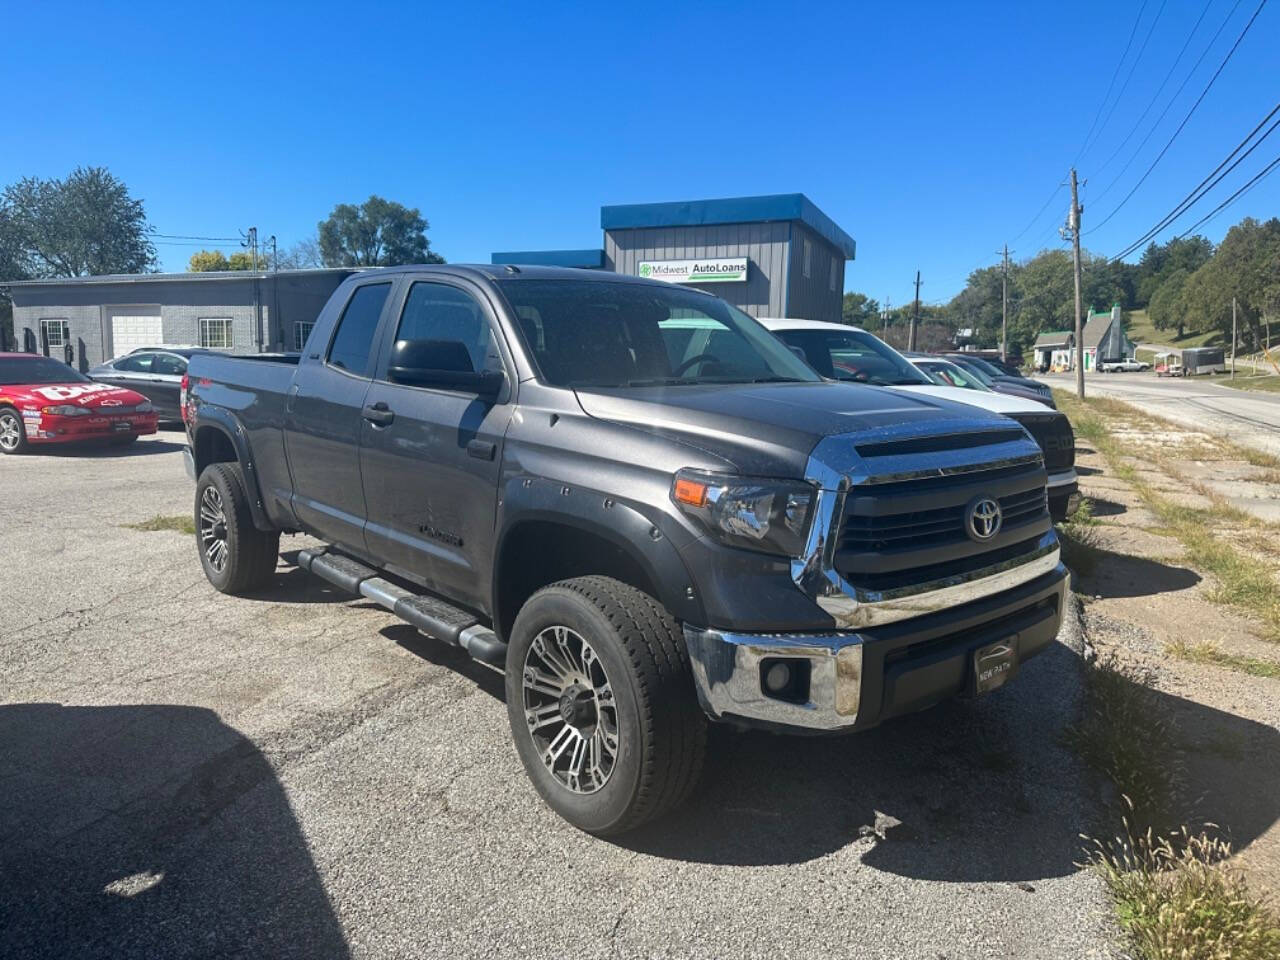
912, 532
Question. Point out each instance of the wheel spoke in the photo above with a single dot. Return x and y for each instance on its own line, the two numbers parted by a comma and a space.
535, 679
540, 717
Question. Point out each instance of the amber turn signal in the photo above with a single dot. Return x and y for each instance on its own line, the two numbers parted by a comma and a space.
690, 491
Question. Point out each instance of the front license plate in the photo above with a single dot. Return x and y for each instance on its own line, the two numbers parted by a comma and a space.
994, 665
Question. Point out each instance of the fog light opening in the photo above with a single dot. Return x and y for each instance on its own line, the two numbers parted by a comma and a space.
785, 678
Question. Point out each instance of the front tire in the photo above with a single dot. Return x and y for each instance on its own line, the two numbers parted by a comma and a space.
236, 556
602, 704
13, 436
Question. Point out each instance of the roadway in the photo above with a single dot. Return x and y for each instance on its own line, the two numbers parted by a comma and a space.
1251, 419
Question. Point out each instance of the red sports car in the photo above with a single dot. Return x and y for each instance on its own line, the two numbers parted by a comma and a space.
46, 401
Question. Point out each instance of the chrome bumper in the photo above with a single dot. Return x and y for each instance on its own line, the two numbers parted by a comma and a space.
727, 668
1067, 478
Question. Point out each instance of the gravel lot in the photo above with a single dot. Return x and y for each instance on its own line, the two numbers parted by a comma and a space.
300, 774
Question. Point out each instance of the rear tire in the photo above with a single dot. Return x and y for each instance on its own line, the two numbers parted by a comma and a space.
593, 665
236, 556
13, 435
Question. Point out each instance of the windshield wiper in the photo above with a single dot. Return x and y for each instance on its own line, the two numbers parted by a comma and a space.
664, 382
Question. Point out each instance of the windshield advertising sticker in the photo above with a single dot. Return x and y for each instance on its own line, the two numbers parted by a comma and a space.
726, 270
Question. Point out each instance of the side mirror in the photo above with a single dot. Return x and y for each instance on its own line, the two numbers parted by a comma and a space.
444, 364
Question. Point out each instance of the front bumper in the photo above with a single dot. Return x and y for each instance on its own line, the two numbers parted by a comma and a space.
1063, 483
857, 679
50, 428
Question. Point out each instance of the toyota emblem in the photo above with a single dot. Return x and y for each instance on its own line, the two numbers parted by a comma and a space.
982, 519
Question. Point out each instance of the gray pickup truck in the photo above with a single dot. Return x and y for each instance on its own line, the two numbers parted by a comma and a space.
636, 502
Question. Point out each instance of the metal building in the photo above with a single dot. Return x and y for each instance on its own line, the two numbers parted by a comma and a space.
771, 256
104, 317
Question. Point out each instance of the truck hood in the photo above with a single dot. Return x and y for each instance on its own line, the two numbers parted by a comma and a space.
766, 429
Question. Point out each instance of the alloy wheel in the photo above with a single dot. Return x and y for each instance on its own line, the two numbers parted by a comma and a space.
10, 431
570, 709
213, 529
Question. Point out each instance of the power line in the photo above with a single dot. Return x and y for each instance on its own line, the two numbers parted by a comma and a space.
1266, 171
1129, 76
1133, 128
1039, 213
1204, 186
1111, 86
1194, 106
1172, 100
182, 236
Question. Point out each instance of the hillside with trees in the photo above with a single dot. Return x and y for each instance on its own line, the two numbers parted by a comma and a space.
1185, 285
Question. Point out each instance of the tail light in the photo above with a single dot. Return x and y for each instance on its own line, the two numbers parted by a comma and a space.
182, 397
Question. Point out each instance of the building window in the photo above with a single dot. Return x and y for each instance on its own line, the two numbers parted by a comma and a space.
808, 257
301, 330
55, 332
835, 275
215, 332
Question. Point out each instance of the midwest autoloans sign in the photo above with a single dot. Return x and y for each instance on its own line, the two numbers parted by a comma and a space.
728, 270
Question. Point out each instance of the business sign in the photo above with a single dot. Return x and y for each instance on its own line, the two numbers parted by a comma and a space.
729, 270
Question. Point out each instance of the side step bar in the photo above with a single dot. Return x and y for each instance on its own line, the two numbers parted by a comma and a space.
431, 615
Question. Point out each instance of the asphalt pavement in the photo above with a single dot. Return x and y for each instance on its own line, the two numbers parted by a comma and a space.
299, 774
1251, 418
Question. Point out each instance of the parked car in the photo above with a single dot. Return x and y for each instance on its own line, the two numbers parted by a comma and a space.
843, 352
637, 502
43, 400
994, 380
1126, 365
154, 372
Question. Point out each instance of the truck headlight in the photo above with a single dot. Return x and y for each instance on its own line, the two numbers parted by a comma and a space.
771, 516
66, 410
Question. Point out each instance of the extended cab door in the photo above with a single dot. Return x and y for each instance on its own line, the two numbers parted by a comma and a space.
431, 469
324, 416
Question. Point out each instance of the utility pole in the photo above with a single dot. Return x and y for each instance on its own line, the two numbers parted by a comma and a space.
1004, 308
251, 241
1233, 338
885, 317
1073, 225
915, 317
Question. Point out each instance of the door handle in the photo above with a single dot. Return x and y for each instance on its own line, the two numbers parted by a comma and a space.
379, 414
480, 449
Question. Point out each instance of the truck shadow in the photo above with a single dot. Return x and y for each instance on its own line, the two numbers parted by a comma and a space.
980, 791
1130, 576
149, 831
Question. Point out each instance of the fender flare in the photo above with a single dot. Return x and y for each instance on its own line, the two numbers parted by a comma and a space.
620, 523
224, 423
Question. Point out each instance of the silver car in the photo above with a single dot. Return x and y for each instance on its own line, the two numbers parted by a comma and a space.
154, 372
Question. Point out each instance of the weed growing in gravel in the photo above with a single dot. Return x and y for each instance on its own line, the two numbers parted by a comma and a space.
1078, 537
1209, 653
180, 524
1174, 893
1178, 897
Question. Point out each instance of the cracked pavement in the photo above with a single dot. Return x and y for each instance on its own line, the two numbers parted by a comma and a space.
186, 774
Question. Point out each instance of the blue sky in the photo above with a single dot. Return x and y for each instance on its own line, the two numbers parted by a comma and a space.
931, 132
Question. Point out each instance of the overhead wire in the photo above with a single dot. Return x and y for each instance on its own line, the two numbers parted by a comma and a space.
1235, 46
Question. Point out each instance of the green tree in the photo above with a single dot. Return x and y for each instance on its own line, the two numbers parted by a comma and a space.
1246, 267
243, 260
1167, 308
378, 233
860, 310
84, 225
1160, 260
207, 261
13, 266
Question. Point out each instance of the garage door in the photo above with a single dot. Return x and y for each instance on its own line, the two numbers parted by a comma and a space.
131, 332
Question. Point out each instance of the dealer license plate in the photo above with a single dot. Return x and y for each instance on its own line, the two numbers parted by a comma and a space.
121, 426
994, 665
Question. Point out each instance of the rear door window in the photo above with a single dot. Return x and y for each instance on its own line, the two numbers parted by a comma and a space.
168, 365
136, 363
352, 343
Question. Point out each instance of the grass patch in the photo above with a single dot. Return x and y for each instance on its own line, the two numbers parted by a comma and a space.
1078, 539
1141, 330
1178, 897
1243, 581
1174, 893
179, 524
1205, 652
1270, 383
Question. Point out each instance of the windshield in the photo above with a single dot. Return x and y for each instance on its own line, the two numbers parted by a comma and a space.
36, 370
853, 355
585, 333
989, 369
949, 375
972, 368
